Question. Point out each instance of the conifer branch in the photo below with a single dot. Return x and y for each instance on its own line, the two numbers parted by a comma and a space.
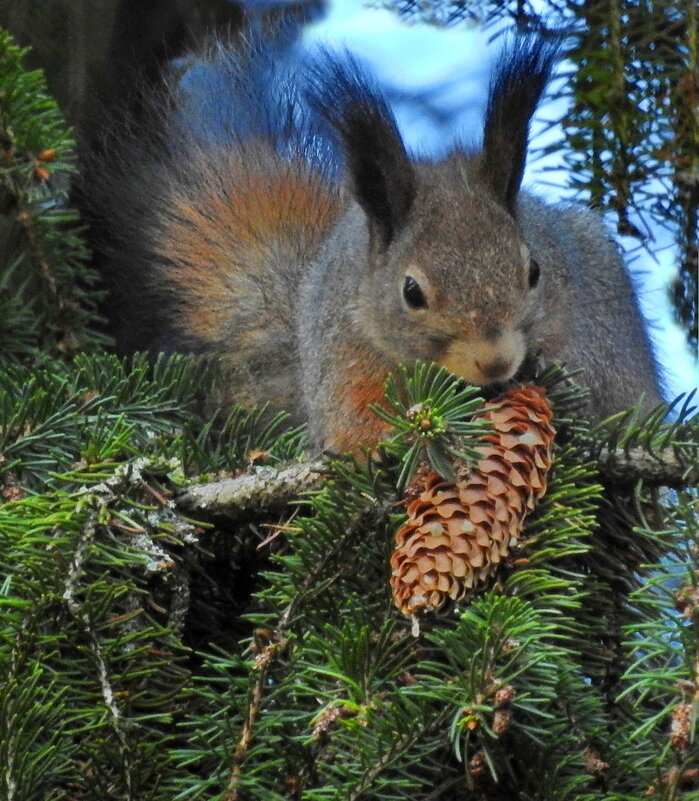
39, 254
17, 198
264, 662
80, 612
278, 643
253, 493
626, 467
270, 489
400, 744
47, 283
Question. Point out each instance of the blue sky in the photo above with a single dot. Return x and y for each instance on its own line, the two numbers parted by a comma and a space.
414, 58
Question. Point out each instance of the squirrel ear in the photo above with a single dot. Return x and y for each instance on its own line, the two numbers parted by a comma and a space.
382, 175
516, 87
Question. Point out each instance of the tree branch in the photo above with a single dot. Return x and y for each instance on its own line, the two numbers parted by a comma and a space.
253, 493
663, 469
268, 489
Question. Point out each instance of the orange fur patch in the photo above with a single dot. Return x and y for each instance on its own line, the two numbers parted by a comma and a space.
358, 384
225, 236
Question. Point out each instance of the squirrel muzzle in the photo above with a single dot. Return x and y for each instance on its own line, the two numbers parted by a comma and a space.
483, 361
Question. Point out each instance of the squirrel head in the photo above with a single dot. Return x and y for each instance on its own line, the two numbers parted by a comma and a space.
458, 284
445, 274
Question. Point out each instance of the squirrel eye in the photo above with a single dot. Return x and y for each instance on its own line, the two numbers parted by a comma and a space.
534, 273
413, 294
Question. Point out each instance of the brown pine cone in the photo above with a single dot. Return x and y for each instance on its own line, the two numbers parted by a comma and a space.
456, 534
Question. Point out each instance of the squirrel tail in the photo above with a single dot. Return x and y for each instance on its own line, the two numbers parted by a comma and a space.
204, 214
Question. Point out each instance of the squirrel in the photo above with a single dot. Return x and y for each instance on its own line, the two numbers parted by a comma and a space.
276, 219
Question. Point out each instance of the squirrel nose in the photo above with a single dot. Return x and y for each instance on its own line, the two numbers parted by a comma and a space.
495, 369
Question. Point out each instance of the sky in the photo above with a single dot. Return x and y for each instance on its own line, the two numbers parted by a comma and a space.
412, 59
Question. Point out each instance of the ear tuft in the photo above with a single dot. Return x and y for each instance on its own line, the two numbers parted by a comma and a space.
516, 86
383, 177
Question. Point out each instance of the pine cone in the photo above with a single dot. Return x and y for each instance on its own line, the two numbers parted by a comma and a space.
456, 534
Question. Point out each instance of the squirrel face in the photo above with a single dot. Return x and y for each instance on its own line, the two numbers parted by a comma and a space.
453, 292
443, 274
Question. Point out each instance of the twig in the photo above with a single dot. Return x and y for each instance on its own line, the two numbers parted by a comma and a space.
662, 470
82, 616
270, 490
38, 252
263, 664
278, 645
23, 217
253, 493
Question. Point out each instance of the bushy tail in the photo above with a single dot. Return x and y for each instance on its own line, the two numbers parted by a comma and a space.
204, 217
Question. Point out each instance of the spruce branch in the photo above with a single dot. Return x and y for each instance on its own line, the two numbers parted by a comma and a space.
400, 745
46, 271
39, 254
100, 541
278, 642
270, 489
627, 467
253, 494
264, 663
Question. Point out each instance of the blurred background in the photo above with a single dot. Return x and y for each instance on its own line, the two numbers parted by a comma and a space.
619, 129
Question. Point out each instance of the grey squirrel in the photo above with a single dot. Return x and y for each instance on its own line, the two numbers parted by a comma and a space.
276, 219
